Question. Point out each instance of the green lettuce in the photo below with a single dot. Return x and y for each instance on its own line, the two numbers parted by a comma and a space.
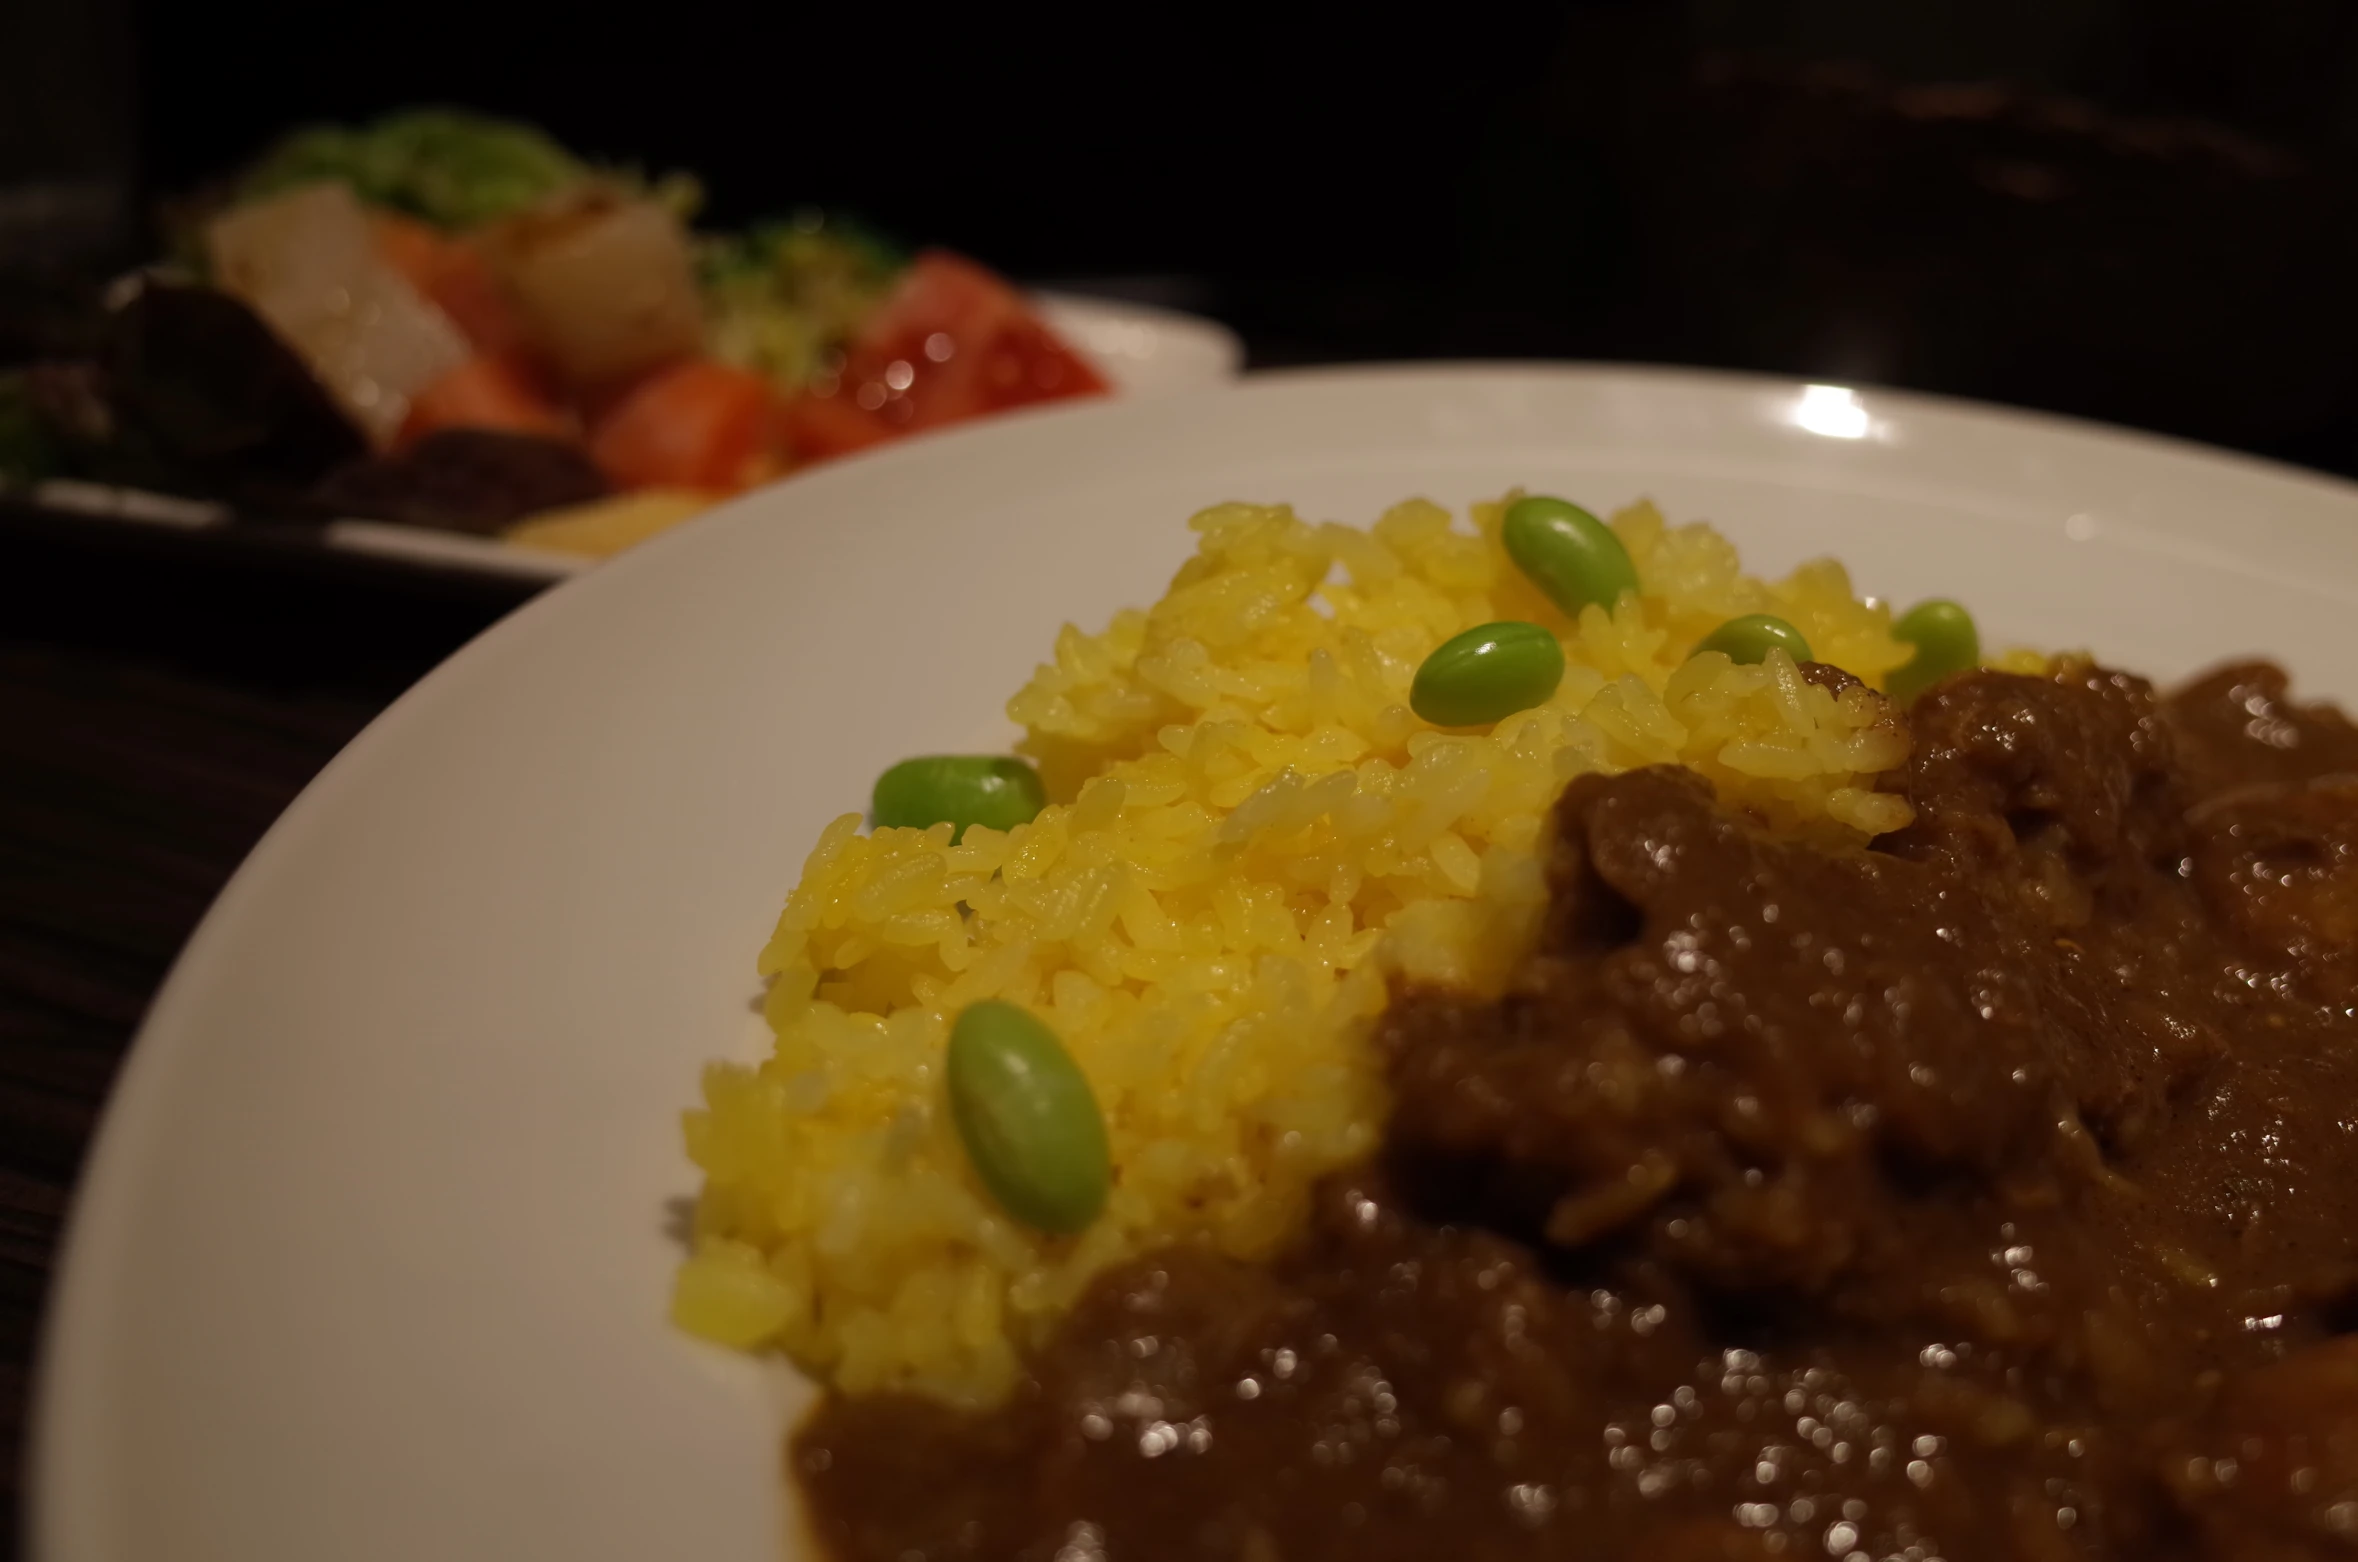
446, 166
783, 297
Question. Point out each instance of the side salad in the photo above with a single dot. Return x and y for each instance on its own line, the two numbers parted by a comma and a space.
453, 321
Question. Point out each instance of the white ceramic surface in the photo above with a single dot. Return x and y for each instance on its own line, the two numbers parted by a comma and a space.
372, 1257
1145, 351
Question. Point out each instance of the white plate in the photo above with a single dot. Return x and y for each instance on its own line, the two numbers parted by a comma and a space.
1145, 351
373, 1254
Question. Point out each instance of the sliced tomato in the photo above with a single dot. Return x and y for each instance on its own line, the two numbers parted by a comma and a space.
456, 278
1027, 362
818, 427
694, 425
485, 393
952, 341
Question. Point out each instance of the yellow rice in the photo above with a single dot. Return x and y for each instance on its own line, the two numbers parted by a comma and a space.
1252, 834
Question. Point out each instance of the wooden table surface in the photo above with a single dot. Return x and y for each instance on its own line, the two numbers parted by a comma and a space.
160, 703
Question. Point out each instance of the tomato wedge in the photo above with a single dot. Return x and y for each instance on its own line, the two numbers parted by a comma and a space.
953, 341
698, 425
820, 426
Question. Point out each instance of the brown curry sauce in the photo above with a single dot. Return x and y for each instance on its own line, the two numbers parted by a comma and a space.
1990, 1193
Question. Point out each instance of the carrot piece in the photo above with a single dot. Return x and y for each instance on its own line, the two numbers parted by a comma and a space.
484, 393
456, 278
698, 424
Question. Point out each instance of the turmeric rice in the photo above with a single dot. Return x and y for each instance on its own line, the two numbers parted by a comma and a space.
1250, 838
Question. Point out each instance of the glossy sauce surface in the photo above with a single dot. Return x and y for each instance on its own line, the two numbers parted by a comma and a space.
1992, 1193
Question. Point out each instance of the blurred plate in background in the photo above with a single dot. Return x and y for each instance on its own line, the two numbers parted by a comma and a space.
1144, 351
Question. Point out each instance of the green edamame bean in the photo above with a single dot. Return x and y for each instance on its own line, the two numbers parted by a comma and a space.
1029, 1121
1487, 674
1567, 553
1751, 638
962, 789
1945, 640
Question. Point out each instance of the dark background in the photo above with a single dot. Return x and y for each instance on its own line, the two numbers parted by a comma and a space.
2147, 213
2143, 212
